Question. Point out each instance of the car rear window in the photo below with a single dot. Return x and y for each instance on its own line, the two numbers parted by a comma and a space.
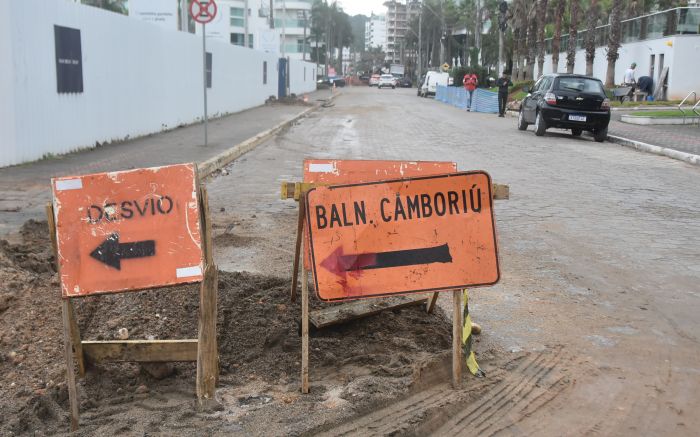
387, 76
579, 84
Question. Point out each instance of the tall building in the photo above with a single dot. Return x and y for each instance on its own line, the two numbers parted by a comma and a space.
284, 34
398, 16
375, 32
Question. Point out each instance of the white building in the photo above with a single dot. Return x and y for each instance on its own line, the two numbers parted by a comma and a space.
375, 32
399, 14
667, 39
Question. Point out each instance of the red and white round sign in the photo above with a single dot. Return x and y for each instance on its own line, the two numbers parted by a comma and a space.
203, 11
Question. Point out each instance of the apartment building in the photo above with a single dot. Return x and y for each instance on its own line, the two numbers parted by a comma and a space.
375, 32
399, 14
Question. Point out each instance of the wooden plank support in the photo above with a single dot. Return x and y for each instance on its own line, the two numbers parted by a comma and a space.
294, 190
430, 306
143, 351
297, 249
304, 331
457, 339
353, 310
70, 368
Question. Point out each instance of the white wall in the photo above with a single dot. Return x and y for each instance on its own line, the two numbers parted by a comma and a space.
8, 151
302, 76
681, 54
138, 79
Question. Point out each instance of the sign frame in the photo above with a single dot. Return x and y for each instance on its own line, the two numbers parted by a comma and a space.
422, 290
203, 349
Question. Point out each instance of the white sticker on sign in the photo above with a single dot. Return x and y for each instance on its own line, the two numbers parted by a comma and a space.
69, 184
321, 168
185, 272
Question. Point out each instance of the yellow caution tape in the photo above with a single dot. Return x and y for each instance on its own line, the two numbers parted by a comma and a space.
467, 337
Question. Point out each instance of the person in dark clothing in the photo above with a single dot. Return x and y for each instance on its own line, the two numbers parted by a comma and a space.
503, 83
646, 85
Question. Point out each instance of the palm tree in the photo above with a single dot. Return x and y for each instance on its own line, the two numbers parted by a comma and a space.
531, 40
613, 42
556, 40
541, 22
589, 42
573, 36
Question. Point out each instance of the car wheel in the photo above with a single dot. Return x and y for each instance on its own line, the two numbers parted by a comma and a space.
522, 124
576, 132
393, 87
540, 125
600, 135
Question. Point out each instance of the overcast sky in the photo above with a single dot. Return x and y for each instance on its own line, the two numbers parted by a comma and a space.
366, 7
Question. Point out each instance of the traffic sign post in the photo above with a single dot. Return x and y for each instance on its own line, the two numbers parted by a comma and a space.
320, 173
203, 12
130, 231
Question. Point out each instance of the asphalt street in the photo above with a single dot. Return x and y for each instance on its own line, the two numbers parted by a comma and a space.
599, 250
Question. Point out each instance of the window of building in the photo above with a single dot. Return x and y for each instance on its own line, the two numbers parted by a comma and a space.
237, 17
264, 72
239, 40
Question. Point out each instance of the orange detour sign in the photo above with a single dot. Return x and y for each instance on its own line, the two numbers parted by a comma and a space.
127, 230
352, 171
419, 234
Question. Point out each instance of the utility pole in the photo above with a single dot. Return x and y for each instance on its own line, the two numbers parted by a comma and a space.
284, 27
443, 33
245, 25
328, 36
477, 31
420, 44
184, 16
302, 14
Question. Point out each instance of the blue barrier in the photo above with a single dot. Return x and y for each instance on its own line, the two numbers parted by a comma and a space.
484, 101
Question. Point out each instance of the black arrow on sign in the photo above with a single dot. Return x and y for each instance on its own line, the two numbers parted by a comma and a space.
112, 252
339, 263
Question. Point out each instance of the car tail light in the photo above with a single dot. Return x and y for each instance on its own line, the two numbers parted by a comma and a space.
550, 98
605, 104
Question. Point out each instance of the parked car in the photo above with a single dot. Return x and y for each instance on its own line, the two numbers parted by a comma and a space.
364, 78
432, 80
566, 101
374, 80
387, 80
329, 81
404, 82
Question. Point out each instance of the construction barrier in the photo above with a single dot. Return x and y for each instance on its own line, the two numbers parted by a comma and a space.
483, 100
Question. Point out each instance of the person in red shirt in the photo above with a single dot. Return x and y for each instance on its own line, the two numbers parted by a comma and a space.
470, 83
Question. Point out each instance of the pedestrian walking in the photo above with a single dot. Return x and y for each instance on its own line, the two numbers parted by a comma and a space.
471, 81
503, 83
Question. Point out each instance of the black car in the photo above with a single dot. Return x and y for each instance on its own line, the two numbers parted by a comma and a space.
566, 101
404, 82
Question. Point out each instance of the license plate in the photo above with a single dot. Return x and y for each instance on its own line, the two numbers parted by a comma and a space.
577, 118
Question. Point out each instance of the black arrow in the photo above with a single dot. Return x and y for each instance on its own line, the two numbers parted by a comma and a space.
112, 252
338, 262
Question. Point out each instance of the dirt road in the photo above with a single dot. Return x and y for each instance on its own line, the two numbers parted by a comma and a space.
600, 258
593, 328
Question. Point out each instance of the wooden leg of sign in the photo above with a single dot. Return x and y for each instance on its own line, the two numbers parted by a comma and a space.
207, 360
75, 337
430, 305
207, 351
304, 330
457, 339
70, 366
297, 249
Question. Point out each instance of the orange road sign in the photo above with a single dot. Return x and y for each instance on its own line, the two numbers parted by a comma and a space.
127, 230
352, 171
431, 233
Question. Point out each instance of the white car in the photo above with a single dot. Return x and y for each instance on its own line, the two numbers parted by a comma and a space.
386, 80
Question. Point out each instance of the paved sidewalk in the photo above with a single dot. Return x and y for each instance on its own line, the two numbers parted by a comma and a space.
25, 189
684, 138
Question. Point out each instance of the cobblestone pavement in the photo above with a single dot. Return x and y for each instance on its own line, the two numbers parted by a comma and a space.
599, 248
25, 189
685, 138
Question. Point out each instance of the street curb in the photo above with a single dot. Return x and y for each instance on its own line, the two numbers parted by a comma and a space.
206, 168
650, 148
